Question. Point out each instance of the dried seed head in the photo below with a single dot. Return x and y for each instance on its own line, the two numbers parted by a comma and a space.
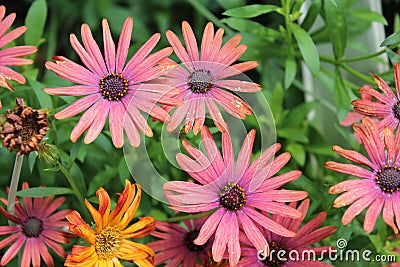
23, 128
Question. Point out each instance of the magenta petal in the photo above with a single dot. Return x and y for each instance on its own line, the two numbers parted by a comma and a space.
221, 237
268, 223
209, 227
123, 44
233, 240
18, 240
252, 232
109, 47
98, 122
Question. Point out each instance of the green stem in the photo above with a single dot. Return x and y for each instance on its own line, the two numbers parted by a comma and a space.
74, 188
191, 216
363, 57
14, 185
357, 74
210, 16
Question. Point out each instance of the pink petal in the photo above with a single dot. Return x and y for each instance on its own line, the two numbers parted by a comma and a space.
212, 151
372, 213
216, 115
236, 69
178, 116
44, 253
11, 75
12, 35
349, 169
123, 44
86, 120
200, 115
397, 78
358, 206
18, 240
77, 107
384, 87
18, 51
354, 156
238, 86
252, 232
370, 108
209, 227
191, 43
7, 22
86, 57
221, 237
379, 97
137, 117
109, 47
92, 48
348, 185
233, 239
75, 90
245, 154
98, 122
388, 214
71, 71
216, 45
279, 181
351, 196
179, 49
268, 223
142, 53
117, 113
206, 42
227, 48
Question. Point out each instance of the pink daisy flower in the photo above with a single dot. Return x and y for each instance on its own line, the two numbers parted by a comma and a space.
237, 194
379, 188
176, 244
37, 227
10, 56
203, 78
282, 248
386, 106
113, 87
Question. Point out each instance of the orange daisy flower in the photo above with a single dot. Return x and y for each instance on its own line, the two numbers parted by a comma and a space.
109, 242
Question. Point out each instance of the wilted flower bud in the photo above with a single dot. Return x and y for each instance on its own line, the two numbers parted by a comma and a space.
23, 128
48, 153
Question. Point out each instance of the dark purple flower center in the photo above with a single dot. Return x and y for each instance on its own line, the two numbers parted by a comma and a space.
388, 179
113, 86
232, 196
32, 227
396, 110
277, 257
200, 81
30, 127
189, 241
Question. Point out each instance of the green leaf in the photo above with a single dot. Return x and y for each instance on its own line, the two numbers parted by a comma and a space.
255, 28
307, 48
290, 70
44, 191
289, 134
394, 57
313, 11
250, 11
102, 178
43, 98
342, 98
228, 4
298, 153
298, 114
32, 160
369, 15
335, 18
75, 149
35, 21
392, 39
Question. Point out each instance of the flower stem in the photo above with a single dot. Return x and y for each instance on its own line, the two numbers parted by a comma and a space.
191, 216
74, 188
14, 185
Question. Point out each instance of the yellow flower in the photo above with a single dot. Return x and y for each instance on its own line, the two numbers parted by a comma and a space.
109, 242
